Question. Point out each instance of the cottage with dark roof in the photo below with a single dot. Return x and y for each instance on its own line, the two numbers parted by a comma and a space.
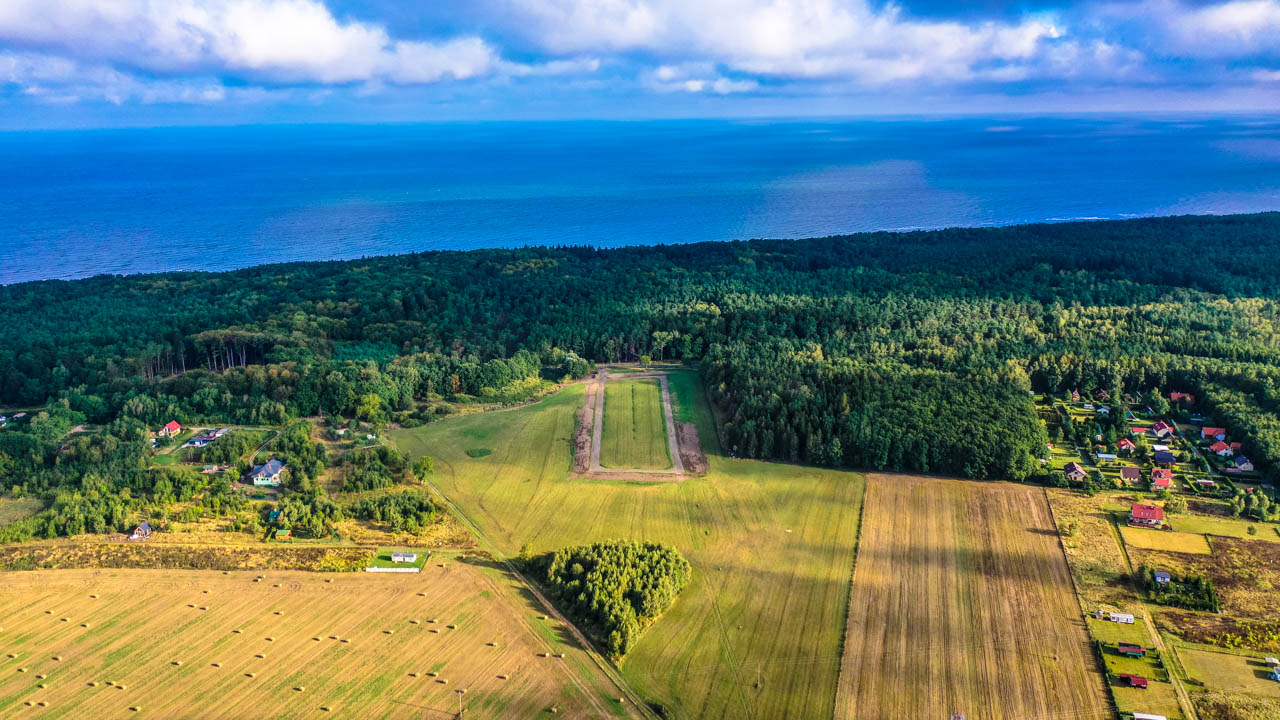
269, 475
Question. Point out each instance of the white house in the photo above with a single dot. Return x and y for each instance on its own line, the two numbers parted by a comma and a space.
1243, 464
268, 475
404, 557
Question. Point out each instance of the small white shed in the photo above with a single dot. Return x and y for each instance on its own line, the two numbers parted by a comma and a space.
403, 557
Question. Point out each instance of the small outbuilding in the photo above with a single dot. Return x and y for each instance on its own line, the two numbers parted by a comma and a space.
404, 557
142, 532
1134, 681
1126, 445
1162, 577
1131, 650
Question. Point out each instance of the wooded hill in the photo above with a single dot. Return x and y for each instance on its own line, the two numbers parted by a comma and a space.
904, 351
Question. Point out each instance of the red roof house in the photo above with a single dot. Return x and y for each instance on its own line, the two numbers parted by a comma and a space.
173, 428
1236, 445
1146, 516
1125, 444
1212, 432
1162, 428
1221, 448
1161, 478
1134, 681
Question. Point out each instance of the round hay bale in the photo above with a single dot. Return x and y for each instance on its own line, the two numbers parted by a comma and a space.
248, 675
443, 681
324, 708
215, 665
275, 585
176, 662
316, 639
84, 625
452, 627
66, 619
413, 674
345, 640
299, 689
57, 658
257, 579
119, 686
260, 656
206, 592
28, 703
422, 594
136, 708
95, 597
333, 637
492, 644
43, 703
544, 654
48, 612
111, 683
238, 632
621, 700
329, 580
13, 655
204, 607
560, 655
542, 617
279, 612
191, 605
22, 669
434, 630
413, 622
434, 674
42, 686
41, 677
269, 639
93, 683
502, 677
388, 632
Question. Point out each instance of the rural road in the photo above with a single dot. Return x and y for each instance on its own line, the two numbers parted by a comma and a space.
595, 399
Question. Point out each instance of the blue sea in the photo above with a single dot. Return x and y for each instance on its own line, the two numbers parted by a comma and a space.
81, 203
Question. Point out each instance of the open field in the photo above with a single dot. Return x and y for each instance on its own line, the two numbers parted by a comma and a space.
1225, 527
187, 644
962, 602
635, 434
1229, 672
14, 509
1182, 542
771, 546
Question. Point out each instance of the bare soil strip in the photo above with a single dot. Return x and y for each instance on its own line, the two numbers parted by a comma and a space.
695, 461
962, 602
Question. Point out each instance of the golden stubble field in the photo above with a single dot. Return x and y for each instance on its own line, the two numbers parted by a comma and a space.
962, 602
204, 644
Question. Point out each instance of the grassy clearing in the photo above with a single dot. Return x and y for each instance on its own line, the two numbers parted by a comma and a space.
14, 509
157, 637
635, 432
962, 602
1182, 542
771, 546
1229, 672
1225, 527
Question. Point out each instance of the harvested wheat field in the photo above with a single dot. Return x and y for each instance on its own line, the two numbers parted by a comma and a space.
169, 644
962, 602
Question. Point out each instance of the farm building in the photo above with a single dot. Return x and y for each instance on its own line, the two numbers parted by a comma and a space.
1131, 474
172, 429
404, 557
1206, 483
1148, 716
142, 532
284, 534
1162, 429
1107, 457
1272, 662
1243, 464
1074, 471
1215, 433
1131, 650
1163, 457
1221, 449
1146, 516
1115, 617
268, 475
1161, 478
1134, 681
1162, 577
1126, 445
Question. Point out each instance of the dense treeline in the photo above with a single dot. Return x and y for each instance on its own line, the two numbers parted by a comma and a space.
402, 511
880, 350
614, 590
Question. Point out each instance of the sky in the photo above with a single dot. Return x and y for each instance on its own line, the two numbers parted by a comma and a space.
109, 63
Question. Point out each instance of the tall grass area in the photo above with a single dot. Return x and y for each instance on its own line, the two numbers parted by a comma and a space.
771, 547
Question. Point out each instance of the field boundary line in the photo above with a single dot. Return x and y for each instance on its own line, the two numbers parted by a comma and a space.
610, 671
848, 601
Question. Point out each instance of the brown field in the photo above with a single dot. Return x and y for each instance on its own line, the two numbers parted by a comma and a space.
1181, 542
962, 602
362, 645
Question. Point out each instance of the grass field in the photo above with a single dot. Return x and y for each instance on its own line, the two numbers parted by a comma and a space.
382, 558
962, 602
771, 546
14, 509
102, 642
635, 433
1183, 542
1226, 527
1230, 672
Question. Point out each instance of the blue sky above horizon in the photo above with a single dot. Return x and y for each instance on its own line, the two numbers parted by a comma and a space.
105, 63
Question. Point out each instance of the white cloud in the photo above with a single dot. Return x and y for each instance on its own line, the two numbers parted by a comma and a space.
789, 38
266, 40
695, 78
1267, 76
56, 80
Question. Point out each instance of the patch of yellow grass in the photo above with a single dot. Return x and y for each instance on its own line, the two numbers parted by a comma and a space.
1167, 541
